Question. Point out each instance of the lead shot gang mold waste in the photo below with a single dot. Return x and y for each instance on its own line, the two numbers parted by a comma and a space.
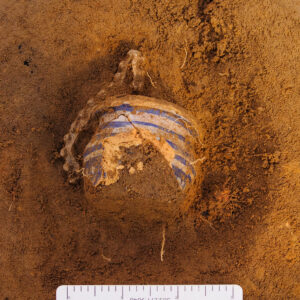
125, 121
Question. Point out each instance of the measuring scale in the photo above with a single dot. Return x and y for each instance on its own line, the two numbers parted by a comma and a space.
149, 292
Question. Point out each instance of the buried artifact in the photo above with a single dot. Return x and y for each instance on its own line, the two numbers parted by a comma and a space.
130, 122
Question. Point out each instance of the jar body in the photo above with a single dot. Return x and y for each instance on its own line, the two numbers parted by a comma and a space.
140, 160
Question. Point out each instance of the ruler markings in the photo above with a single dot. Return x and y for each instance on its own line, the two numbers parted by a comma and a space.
150, 292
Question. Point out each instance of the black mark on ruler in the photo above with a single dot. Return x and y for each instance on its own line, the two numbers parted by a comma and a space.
205, 291
95, 292
122, 297
68, 292
232, 296
150, 291
177, 296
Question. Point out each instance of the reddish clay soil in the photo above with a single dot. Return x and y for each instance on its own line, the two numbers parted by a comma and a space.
234, 64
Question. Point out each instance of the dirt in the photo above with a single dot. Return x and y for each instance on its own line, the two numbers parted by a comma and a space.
233, 64
147, 196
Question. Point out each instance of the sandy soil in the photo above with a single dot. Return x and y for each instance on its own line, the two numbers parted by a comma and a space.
233, 64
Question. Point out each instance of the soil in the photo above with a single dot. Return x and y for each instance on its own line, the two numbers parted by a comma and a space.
234, 64
145, 197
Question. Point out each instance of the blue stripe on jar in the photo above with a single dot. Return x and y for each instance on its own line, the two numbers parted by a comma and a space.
92, 149
186, 163
122, 107
128, 107
170, 116
88, 164
117, 124
125, 107
93, 169
181, 176
177, 148
97, 176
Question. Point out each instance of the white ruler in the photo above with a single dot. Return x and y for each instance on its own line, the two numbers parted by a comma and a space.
149, 292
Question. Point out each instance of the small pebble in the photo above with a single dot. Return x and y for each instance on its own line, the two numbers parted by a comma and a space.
132, 170
140, 166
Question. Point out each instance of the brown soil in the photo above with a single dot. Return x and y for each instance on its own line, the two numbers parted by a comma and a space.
145, 197
234, 64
